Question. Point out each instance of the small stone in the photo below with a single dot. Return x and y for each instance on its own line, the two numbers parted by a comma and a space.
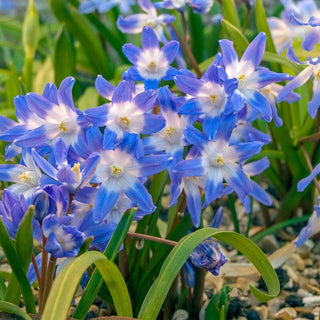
263, 312
253, 315
276, 304
286, 311
104, 313
180, 314
304, 293
296, 261
93, 312
310, 272
316, 312
293, 301
235, 293
316, 248
269, 243
311, 301
235, 309
313, 282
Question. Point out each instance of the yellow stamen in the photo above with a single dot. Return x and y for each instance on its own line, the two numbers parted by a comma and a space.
116, 170
242, 77
170, 130
152, 65
213, 98
76, 171
125, 120
24, 178
62, 127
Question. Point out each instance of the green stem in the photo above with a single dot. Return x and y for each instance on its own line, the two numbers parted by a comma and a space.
234, 213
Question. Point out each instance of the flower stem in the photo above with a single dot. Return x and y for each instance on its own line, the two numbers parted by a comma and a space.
192, 60
151, 238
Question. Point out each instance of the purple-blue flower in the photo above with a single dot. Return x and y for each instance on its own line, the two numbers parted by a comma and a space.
103, 6
59, 117
123, 169
63, 239
151, 64
312, 69
210, 97
250, 77
126, 112
219, 161
198, 6
135, 23
311, 228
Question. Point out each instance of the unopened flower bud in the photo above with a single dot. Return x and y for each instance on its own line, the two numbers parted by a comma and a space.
208, 255
40, 200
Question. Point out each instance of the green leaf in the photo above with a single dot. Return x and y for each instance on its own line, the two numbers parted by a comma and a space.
230, 12
24, 238
232, 33
177, 257
3, 289
81, 29
111, 252
13, 309
17, 268
67, 281
23, 245
64, 56
262, 25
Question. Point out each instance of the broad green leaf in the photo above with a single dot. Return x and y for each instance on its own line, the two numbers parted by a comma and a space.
17, 268
89, 99
81, 29
24, 238
44, 75
64, 56
232, 33
95, 282
196, 34
67, 282
177, 257
23, 245
3, 289
230, 12
262, 25
13, 309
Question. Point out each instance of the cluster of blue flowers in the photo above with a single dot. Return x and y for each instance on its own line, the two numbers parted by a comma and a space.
83, 170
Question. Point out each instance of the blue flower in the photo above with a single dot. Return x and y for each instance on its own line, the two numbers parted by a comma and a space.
123, 168
285, 30
308, 16
210, 97
58, 115
151, 64
103, 6
257, 192
127, 113
73, 176
135, 23
63, 239
218, 161
250, 77
198, 6
170, 139
12, 210
311, 228
312, 70
26, 176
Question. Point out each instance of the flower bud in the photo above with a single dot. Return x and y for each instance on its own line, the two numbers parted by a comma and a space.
207, 255
40, 200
